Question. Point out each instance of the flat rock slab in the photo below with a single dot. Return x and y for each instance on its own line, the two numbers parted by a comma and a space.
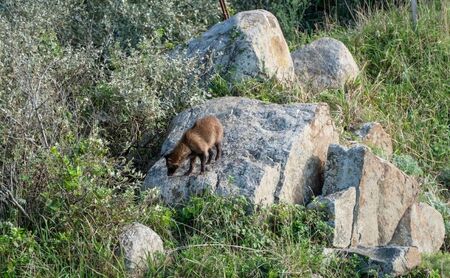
383, 192
324, 64
421, 226
271, 152
339, 206
385, 260
247, 45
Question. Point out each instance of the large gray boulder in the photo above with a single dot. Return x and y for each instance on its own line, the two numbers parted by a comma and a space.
138, 243
383, 260
324, 64
271, 152
249, 44
383, 192
421, 226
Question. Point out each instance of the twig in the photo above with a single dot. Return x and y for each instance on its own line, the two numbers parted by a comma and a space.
6, 193
44, 137
223, 6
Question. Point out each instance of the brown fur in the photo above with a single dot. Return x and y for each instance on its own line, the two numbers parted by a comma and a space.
197, 141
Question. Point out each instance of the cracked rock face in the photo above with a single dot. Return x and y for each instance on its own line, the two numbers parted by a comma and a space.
271, 152
421, 226
383, 192
324, 64
249, 44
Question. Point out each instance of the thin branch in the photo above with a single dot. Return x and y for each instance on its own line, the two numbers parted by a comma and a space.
223, 6
9, 198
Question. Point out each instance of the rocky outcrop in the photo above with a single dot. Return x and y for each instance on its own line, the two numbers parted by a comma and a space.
249, 44
137, 244
324, 64
384, 260
373, 135
372, 206
421, 226
271, 152
383, 192
339, 207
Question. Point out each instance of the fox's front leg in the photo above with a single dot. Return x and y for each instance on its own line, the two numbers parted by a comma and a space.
202, 163
191, 165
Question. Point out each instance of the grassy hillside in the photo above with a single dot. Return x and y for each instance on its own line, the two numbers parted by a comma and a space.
85, 99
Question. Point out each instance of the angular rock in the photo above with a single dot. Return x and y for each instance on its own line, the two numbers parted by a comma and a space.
385, 260
383, 192
421, 226
324, 64
270, 152
373, 135
138, 243
339, 207
249, 44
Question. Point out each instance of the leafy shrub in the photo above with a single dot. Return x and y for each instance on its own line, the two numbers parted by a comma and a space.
54, 87
145, 90
103, 23
17, 247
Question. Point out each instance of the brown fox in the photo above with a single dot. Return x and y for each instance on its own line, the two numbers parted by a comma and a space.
196, 141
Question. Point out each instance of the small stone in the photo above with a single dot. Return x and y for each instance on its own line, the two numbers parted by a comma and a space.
373, 135
138, 243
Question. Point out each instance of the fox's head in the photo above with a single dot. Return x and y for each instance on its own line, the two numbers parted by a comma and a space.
171, 164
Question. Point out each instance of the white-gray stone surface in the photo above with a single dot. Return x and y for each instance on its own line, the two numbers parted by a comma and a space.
383, 192
421, 226
249, 44
137, 243
339, 206
373, 135
324, 64
270, 152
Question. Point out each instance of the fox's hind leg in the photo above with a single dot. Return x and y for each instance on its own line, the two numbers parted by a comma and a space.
210, 156
202, 162
219, 150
